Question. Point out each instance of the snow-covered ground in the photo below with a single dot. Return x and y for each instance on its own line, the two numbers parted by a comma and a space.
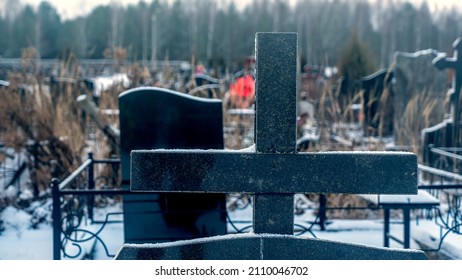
18, 241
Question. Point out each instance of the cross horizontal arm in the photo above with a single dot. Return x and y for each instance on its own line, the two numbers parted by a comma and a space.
221, 171
443, 62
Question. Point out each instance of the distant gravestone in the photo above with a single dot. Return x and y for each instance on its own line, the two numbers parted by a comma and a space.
273, 174
202, 79
374, 93
455, 64
378, 102
446, 133
87, 87
61, 87
154, 118
204, 86
414, 75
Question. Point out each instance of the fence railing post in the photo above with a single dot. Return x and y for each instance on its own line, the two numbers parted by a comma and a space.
322, 211
56, 215
91, 186
430, 160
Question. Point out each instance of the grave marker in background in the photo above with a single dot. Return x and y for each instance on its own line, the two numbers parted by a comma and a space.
154, 118
454, 64
446, 133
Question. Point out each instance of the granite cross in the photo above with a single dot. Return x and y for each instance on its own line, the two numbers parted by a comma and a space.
273, 173
455, 63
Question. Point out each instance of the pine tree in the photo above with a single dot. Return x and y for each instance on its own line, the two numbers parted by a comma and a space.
356, 61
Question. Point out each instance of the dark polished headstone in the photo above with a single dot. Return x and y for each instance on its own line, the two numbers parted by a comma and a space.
154, 118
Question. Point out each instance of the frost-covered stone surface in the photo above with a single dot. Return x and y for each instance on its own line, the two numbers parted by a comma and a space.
260, 247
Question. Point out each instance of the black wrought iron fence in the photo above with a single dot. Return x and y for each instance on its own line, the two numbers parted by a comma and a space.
87, 187
74, 202
443, 180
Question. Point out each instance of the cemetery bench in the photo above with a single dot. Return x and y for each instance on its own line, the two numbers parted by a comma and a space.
273, 174
405, 203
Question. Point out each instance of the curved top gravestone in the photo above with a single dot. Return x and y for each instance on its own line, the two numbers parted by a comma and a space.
156, 118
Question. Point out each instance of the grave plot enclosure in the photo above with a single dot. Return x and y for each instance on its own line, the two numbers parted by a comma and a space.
273, 174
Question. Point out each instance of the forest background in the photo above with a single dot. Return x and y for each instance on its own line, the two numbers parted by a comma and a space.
221, 33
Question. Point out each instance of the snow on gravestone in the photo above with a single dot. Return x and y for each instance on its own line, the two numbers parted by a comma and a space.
273, 173
155, 118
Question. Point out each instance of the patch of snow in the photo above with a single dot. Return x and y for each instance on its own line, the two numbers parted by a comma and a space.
251, 149
40, 212
26, 195
17, 220
10, 192
20, 240
105, 82
427, 234
26, 244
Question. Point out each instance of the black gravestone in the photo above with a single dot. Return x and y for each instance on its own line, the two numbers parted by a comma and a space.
87, 87
154, 118
454, 63
378, 102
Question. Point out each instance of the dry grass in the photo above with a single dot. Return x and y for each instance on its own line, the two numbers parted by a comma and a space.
422, 111
48, 125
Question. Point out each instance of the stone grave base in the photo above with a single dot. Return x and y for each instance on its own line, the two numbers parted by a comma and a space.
251, 246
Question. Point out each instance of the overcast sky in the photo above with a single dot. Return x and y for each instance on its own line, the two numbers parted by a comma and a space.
72, 8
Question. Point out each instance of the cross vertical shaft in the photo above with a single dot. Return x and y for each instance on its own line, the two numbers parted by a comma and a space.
276, 84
